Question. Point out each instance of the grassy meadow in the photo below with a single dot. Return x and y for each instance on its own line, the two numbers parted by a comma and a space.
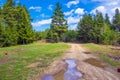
109, 54
23, 62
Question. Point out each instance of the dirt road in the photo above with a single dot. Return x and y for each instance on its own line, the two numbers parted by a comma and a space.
90, 72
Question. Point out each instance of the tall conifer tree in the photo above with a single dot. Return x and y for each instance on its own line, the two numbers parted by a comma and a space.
58, 24
107, 20
10, 23
85, 28
116, 20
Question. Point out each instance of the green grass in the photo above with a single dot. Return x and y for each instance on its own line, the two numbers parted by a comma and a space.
95, 47
104, 50
110, 61
21, 56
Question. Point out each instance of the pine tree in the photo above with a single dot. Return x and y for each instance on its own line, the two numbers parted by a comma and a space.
107, 20
2, 36
116, 20
108, 35
24, 27
9, 3
49, 34
10, 23
58, 24
99, 22
15, 25
85, 28
99, 19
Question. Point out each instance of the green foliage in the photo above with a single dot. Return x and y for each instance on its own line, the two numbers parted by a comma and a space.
116, 20
15, 25
9, 3
85, 28
38, 35
2, 30
108, 35
49, 34
58, 24
107, 20
2, 35
116, 24
97, 29
70, 36
43, 34
9, 22
98, 25
25, 32
55, 37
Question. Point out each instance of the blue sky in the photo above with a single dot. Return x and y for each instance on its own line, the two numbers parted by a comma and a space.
41, 10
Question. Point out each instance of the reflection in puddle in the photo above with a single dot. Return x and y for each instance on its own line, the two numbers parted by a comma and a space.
70, 74
48, 77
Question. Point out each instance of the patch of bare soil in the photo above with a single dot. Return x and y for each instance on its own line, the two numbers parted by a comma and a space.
95, 62
3, 61
33, 65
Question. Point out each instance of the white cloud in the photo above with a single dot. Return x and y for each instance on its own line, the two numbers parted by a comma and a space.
69, 12
74, 2
72, 20
72, 27
50, 7
112, 3
79, 11
42, 22
113, 10
99, 8
37, 8
107, 6
73, 17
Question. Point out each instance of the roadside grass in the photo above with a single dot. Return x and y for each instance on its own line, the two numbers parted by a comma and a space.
114, 63
104, 51
13, 65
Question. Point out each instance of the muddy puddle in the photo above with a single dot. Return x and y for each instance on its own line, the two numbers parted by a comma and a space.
71, 73
95, 62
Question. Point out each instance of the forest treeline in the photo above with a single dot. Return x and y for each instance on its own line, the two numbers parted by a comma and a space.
15, 25
16, 28
97, 28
